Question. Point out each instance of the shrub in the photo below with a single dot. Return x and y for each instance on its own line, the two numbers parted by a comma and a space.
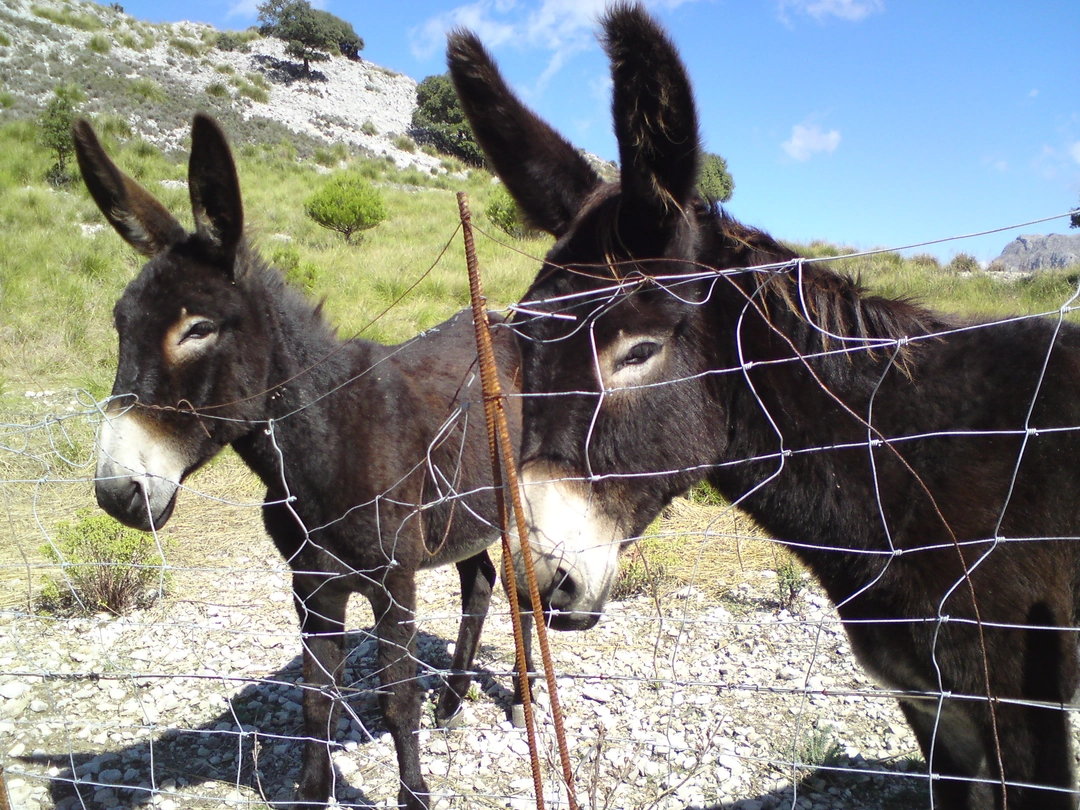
504, 214
5, 40
440, 121
232, 41
255, 93
7, 99
149, 90
714, 179
331, 157
369, 128
55, 123
286, 258
186, 46
405, 143
963, 263
347, 205
99, 43
217, 90
105, 565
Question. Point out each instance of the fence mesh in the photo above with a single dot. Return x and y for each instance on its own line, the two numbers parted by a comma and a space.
720, 677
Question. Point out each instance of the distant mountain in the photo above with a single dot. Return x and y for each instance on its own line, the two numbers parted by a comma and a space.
1028, 253
155, 76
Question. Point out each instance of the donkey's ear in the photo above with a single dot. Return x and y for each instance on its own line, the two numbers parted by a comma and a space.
653, 111
215, 190
141, 220
547, 176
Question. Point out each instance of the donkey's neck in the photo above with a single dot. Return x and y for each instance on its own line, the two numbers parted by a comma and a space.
309, 371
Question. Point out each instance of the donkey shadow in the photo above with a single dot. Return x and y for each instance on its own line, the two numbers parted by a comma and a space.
255, 742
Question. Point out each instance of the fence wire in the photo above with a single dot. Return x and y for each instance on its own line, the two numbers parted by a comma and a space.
720, 678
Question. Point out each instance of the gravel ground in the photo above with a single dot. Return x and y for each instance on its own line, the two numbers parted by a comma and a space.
194, 704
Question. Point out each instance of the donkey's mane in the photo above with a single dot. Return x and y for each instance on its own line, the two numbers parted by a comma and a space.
836, 304
255, 272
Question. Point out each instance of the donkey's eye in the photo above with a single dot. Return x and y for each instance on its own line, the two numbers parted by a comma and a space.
199, 330
639, 353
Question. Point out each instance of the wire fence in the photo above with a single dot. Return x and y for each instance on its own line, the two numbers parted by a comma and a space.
721, 679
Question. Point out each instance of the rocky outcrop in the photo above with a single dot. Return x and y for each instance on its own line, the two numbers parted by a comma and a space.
1029, 253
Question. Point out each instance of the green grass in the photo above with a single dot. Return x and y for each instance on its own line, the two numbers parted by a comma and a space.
59, 285
66, 16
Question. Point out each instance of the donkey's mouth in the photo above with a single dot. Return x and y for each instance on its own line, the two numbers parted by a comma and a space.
136, 501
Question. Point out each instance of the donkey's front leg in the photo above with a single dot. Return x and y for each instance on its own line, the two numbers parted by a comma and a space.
477, 576
321, 608
394, 610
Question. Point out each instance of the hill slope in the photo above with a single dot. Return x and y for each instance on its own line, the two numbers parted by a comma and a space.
156, 75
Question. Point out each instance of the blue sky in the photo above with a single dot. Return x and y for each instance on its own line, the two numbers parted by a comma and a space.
871, 123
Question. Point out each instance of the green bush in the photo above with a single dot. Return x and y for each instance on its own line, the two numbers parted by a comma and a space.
217, 90
963, 263
186, 46
105, 566
405, 144
347, 205
369, 128
286, 258
55, 124
5, 40
504, 214
149, 90
99, 43
232, 41
714, 179
439, 120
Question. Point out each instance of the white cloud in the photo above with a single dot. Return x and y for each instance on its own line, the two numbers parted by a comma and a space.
851, 10
563, 27
807, 140
1033, 92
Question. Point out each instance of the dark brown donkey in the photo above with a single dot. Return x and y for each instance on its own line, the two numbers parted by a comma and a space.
927, 471
374, 457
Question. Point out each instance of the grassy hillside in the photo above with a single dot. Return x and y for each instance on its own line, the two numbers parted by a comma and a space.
63, 267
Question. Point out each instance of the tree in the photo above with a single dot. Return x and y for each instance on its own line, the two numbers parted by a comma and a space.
347, 205
308, 32
714, 179
349, 43
438, 120
55, 123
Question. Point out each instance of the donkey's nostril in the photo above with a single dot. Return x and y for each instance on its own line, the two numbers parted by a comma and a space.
564, 590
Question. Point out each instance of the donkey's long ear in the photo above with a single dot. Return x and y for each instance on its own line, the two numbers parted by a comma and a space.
215, 190
542, 171
653, 111
141, 220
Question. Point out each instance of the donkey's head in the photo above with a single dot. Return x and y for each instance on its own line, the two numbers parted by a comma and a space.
190, 366
614, 406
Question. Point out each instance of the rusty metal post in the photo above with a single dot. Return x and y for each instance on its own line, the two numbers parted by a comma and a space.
502, 459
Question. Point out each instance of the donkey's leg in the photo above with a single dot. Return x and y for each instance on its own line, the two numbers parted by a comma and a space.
938, 737
517, 709
477, 579
394, 606
1035, 739
322, 630
1035, 750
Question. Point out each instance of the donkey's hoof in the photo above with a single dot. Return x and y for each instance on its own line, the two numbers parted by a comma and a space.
453, 721
517, 715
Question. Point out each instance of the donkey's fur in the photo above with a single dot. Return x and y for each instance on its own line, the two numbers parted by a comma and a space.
895, 449
363, 448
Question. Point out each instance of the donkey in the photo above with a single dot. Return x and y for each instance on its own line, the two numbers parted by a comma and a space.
926, 470
374, 457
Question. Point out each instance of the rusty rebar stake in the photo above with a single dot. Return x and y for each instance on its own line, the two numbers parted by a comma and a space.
502, 450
